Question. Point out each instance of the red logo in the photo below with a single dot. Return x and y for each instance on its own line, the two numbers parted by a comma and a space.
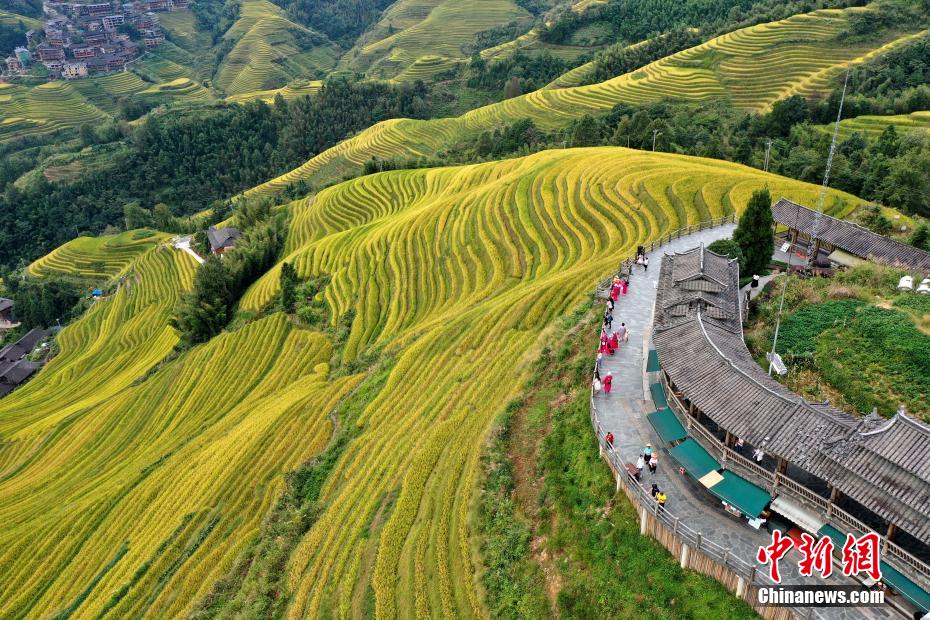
773, 553
860, 555
818, 554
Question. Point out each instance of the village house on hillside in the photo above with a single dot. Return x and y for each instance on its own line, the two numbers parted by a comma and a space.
15, 369
6, 314
78, 40
222, 239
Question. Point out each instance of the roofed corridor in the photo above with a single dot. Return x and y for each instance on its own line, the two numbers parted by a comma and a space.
624, 413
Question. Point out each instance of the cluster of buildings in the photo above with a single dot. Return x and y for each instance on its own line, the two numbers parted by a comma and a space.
15, 369
82, 38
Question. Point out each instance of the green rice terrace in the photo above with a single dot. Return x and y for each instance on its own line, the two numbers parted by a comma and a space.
750, 68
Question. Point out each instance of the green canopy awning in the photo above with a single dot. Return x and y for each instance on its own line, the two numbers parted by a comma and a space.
658, 395
838, 537
667, 425
749, 498
694, 458
905, 587
652, 365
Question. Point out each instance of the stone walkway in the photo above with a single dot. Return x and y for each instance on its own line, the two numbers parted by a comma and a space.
624, 411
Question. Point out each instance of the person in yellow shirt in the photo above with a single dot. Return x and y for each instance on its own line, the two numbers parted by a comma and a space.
661, 498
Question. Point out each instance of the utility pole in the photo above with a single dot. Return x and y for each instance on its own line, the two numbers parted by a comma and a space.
826, 175
768, 150
655, 132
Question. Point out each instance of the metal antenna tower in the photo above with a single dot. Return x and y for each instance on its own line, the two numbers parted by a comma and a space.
826, 175
768, 150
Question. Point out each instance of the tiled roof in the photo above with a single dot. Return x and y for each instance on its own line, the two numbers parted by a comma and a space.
851, 238
884, 465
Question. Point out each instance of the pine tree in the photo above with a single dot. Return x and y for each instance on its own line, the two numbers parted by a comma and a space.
754, 234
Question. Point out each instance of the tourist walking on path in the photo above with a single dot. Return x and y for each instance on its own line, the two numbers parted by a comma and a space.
609, 437
647, 452
640, 465
600, 361
610, 306
608, 381
653, 463
655, 490
645, 263
608, 319
614, 342
597, 384
623, 333
661, 498
623, 285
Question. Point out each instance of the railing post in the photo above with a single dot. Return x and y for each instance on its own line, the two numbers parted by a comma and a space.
642, 522
698, 541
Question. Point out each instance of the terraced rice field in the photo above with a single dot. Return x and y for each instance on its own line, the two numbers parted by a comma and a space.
266, 54
125, 499
872, 126
130, 498
97, 257
56, 105
412, 29
426, 67
291, 91
27, 110
14, 19
751, 68
460, 270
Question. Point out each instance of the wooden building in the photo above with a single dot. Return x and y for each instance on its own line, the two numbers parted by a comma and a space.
835, 234
828, 471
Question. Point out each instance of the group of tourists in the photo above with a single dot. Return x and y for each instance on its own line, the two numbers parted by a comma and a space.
610, 342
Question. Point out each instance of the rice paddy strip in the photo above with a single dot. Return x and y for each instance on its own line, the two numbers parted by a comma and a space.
751, 68
97, 257
872, 126
411, 29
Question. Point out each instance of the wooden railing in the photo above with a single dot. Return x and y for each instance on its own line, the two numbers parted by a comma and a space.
626, 265
778, 483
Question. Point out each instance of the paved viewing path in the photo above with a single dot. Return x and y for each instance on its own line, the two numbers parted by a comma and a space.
624, 411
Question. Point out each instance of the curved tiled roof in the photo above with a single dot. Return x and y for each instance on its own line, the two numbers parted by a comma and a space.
884, 465
851, 238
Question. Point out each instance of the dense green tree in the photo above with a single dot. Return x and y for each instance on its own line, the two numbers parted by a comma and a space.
755, 235
42, 303
135, 216
921, 237
288, 280
727, 247
204, 311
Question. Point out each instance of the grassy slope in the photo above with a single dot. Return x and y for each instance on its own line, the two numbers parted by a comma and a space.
750, 68
412, 29
554, 533
142, 494
852, 340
